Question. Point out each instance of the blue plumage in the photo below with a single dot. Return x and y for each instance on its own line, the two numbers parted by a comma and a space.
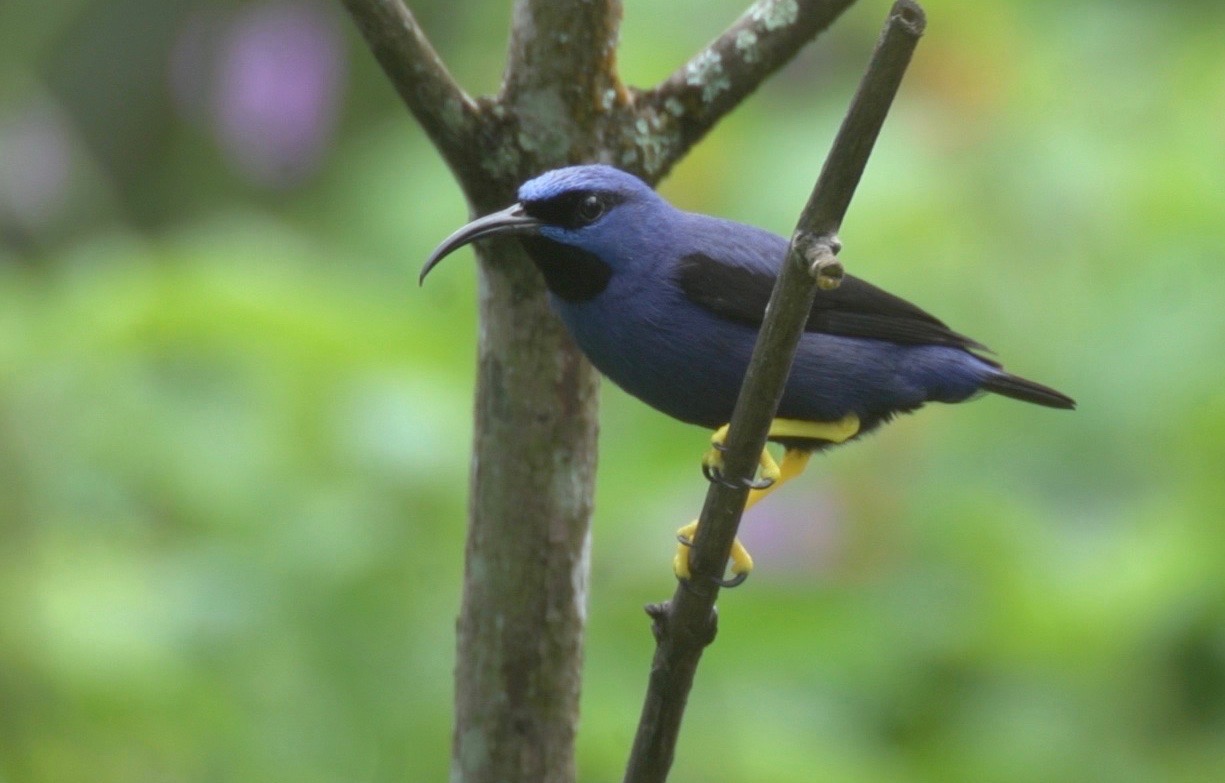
667, 304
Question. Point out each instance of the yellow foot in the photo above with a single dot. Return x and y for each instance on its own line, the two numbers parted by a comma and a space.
742, 562
773, 475
712, 462
830, 431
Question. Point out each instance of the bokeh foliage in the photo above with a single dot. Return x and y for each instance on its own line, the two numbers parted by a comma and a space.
233, 432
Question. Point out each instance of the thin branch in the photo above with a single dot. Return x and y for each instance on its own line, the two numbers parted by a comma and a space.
447, 114
698, 94
686, 624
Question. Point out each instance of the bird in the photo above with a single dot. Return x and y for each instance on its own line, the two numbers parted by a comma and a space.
668, 303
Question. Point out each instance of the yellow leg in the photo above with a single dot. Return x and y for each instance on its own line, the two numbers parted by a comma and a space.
793, 464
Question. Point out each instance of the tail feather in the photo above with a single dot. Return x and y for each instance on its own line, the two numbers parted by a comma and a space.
1020, 388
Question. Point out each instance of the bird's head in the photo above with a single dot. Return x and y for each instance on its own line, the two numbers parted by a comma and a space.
579, 225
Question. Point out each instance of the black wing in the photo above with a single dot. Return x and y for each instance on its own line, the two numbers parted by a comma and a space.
854, 309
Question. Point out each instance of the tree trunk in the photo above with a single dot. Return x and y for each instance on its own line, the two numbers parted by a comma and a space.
521, 624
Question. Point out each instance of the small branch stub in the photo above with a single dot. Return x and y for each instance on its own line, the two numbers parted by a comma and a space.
828, 272
818, 256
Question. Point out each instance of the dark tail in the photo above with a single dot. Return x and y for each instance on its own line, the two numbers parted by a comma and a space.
1021, 389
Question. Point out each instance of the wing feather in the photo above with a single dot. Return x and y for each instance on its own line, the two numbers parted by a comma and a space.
854, 309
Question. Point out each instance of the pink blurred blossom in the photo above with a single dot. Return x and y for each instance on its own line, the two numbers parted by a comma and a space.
35, 165
269, 80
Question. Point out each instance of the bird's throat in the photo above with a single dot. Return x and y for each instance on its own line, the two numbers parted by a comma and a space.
572, 274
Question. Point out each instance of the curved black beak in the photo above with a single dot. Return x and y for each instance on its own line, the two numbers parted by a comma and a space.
512, 220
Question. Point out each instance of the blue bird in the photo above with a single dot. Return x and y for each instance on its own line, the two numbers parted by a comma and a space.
667, 304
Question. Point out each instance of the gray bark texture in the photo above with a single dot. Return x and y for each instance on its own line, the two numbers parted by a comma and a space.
521, 623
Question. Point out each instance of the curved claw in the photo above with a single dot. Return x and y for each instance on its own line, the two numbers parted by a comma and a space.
735, 581
715, 476
764, 482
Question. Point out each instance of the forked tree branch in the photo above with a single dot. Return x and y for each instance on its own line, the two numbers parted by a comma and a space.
686, 624
521, 623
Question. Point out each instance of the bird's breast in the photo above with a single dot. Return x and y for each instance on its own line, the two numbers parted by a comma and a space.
657, 346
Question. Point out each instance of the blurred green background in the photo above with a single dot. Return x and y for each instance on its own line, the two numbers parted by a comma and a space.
233, 431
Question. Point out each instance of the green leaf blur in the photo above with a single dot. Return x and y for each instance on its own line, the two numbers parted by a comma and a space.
233, 431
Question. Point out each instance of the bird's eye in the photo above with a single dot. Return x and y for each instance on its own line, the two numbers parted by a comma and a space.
590, 208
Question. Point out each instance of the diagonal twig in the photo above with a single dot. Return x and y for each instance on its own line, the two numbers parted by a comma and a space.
686, 624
